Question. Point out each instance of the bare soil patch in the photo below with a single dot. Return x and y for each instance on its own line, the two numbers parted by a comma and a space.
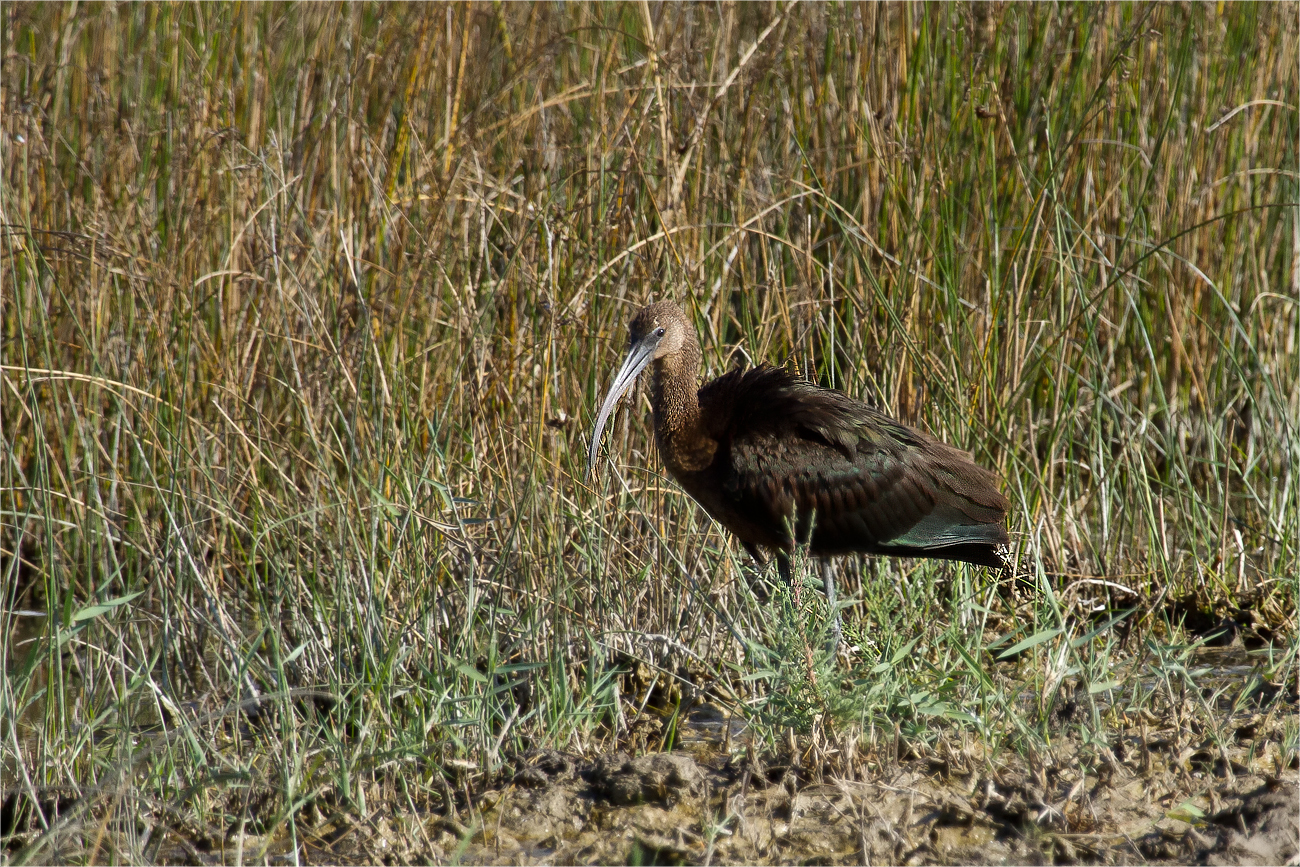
674, 808
1158, 795
1161, 799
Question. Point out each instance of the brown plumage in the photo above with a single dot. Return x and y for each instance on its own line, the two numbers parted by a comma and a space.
772, 457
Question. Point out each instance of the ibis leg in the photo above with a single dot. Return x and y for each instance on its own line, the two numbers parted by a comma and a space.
755, 577
828, 581
784, 569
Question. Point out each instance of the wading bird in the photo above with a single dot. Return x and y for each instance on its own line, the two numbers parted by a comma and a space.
779, 461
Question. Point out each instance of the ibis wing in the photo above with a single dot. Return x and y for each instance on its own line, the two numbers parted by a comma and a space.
810, 458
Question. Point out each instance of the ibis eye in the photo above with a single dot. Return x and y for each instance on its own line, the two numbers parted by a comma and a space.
659, 332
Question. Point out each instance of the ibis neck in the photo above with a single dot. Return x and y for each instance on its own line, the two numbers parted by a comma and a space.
679, 430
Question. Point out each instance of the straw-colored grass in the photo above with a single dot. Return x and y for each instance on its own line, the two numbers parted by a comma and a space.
306, 310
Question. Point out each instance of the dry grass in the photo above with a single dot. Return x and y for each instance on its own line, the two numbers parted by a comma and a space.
306, 310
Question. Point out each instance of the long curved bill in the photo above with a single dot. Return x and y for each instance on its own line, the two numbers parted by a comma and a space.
637, 358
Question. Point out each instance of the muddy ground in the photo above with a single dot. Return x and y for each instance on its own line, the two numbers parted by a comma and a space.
1162, 804
1161, 797
1168, 790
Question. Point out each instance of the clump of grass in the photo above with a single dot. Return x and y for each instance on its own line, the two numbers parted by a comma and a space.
305, 310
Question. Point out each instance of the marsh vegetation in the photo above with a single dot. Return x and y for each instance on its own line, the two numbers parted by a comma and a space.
306, 310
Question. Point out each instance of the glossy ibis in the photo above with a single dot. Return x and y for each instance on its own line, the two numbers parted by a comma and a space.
772, 457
